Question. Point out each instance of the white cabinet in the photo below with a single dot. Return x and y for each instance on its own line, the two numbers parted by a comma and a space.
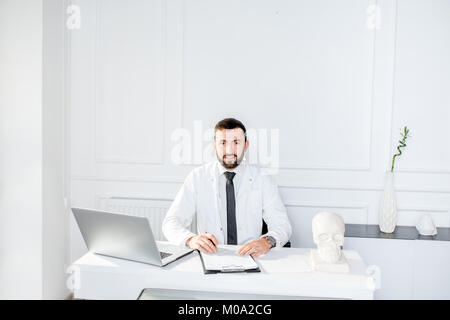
431, 275
410, 269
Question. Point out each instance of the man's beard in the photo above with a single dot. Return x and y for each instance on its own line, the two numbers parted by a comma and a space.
232, 165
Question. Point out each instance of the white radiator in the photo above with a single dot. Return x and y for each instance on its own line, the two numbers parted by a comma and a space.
152, 209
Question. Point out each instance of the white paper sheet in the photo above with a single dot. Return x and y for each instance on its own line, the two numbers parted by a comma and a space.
276, 261
227, 259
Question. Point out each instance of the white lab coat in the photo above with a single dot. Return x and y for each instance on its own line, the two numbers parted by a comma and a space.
257, 198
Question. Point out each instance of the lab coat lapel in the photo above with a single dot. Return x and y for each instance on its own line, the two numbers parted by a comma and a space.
246, 183
214, 178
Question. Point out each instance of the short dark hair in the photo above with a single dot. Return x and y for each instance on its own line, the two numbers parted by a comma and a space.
230, 123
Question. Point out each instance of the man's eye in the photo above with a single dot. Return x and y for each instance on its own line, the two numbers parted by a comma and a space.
223, 142
236, 142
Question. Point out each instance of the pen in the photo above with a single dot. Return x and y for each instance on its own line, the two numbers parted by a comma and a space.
211, 241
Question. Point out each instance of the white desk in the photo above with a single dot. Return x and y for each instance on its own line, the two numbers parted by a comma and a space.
100, 277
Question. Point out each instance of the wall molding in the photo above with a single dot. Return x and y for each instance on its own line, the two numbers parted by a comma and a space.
99, 198
322, 204
432, 210
424, 170
311, 167
424, 208
417, 170
362, 188
369, 102
97, 74
364, 207
364, 175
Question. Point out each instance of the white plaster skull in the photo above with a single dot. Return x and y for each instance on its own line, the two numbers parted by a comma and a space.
328, 234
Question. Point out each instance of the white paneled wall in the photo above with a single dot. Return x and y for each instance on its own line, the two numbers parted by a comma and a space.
338, 79
153, 209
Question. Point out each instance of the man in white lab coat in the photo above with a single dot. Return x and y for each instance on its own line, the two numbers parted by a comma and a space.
230, 199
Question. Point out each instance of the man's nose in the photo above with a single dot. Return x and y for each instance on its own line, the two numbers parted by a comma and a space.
230, 148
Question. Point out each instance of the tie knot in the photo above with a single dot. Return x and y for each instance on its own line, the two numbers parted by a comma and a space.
229, 175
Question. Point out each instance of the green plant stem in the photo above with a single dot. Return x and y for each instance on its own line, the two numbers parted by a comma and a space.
402, 144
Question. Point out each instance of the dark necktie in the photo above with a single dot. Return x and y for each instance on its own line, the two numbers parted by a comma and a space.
231, 209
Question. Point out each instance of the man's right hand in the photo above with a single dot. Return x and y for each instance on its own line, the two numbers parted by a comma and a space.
205, 242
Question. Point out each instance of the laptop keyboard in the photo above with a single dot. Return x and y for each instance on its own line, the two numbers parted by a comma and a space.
164, 254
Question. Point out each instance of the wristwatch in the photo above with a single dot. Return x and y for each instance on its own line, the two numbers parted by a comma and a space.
271, 240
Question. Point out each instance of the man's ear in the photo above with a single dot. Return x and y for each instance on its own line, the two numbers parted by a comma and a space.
246, 145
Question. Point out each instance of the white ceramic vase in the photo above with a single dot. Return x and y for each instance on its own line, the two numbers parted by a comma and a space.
387, 218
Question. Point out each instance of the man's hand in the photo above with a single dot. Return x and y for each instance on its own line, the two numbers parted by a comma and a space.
205, 242
255, 248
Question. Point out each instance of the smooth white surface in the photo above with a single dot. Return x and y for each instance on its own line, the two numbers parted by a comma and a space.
410, 269
284, 261
338, 92
101, 277
422, 68
129, 81
21, 149
55, 188
431, 270
276, 60
33, 229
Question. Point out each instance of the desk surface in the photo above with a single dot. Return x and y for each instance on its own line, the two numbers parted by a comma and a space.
100, 277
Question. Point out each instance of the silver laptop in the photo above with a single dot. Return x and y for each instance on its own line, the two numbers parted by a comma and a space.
124, 237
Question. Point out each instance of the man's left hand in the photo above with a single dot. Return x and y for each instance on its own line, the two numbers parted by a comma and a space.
255, 248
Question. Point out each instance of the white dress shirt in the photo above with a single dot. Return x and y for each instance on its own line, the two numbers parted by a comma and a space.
203, 196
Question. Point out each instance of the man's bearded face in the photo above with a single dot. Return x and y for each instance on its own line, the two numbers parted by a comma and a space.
230, 146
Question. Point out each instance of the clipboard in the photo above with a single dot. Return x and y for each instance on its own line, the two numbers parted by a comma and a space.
227, 267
